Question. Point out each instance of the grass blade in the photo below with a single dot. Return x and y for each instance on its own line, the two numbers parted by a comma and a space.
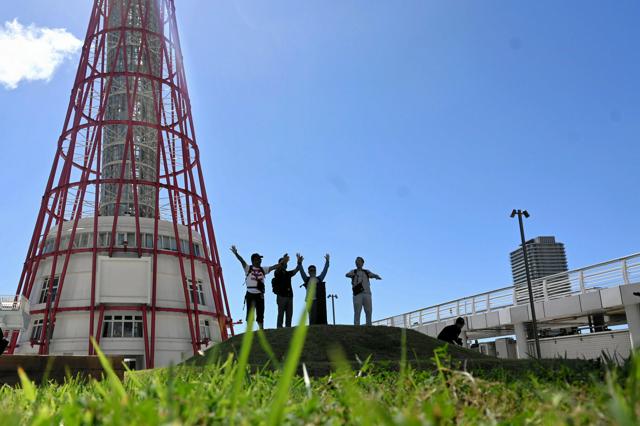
267, 348
291, 363
307, 381
112, 377
241, 367
28, 387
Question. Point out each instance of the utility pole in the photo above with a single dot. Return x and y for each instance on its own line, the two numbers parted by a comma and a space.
534, 321
333, 306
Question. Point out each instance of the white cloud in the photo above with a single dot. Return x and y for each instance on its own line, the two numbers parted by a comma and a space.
32, 53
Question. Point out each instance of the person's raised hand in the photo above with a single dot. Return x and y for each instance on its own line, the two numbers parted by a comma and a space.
326, 257
234, 250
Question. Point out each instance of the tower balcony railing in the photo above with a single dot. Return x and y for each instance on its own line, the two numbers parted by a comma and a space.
612, 273
14, 312
14, 303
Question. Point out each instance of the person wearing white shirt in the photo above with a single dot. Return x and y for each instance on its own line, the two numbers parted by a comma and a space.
361, 288
255, 276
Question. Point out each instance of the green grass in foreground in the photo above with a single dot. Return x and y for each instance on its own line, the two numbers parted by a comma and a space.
188, 395
227, 392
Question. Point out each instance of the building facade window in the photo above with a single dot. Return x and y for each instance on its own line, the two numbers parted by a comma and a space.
104, 239
44, 292
122, 326
36, 331
84, 240
199, 292
205, 329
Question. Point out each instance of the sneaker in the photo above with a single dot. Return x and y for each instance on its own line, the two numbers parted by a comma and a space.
3, 345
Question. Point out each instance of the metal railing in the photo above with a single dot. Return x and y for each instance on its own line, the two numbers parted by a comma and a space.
14, 303
612, 273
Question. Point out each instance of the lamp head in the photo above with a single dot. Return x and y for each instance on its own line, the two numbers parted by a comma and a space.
526, 214
514, 213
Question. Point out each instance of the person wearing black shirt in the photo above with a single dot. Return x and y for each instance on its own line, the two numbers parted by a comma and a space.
318, 312
451, 333
3, 342
282, 288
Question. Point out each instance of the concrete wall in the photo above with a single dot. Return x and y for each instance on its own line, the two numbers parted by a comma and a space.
586, 346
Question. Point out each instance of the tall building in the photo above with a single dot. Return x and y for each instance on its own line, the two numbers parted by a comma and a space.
123, 247
545, 256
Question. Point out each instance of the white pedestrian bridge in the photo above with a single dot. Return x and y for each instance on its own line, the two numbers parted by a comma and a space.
581, 313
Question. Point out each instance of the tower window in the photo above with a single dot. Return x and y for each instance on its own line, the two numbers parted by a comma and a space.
105, 239
199, 292
36, 331
122, 326
44, 292
148, 241
205, 329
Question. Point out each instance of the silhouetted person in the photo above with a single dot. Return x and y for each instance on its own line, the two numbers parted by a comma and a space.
451, 332
361, 291
3, 342
255, 275
318, 312
284, 293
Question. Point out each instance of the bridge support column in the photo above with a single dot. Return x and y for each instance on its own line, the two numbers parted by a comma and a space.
463, 337
633, 320
521, 340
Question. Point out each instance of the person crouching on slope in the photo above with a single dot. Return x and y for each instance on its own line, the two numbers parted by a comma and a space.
255, 275
361, 290
452, 332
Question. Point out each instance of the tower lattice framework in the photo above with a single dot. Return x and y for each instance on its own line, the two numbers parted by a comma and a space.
127, 153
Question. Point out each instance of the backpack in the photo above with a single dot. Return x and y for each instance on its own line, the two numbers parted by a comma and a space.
277, 286
260, 287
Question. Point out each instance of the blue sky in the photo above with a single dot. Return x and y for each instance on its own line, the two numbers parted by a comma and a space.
404, 132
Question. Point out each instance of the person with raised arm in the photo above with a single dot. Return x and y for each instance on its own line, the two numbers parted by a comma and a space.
255, 275
318, 312
361, 288
281, 283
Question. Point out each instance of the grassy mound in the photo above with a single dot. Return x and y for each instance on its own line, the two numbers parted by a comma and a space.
384, 346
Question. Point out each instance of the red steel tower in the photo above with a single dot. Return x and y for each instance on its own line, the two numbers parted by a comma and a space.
123, 247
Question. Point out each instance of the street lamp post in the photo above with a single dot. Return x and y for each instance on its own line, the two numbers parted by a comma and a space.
534, 321
333, 307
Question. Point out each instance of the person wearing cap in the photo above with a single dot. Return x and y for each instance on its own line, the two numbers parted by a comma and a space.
361, 290
451, 333
255, 276
284, 293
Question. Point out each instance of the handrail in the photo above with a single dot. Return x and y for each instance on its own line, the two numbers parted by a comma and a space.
452, 301
576, 281
13, 303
